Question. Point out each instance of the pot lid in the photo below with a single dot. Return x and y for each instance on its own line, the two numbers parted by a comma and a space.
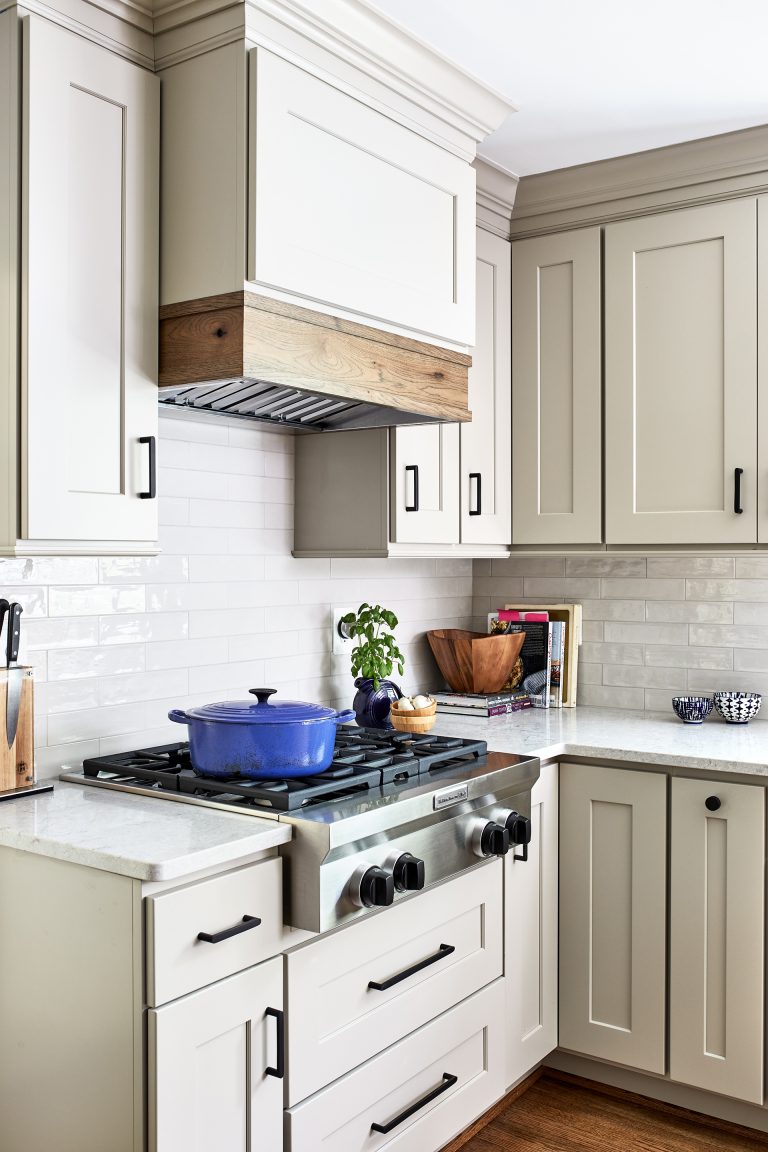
262, 711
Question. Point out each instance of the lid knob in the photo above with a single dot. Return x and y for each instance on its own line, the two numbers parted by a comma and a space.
262, 694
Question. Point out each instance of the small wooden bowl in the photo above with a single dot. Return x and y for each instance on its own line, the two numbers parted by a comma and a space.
473, 661
417, 720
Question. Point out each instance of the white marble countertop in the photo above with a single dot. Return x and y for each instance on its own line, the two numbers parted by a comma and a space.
615, 734
135, 836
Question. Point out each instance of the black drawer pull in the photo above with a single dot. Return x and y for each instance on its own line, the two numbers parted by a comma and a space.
447, 1082
245, 925
737, 473
478, 510
151, 493
415, 469
444, 950
279, 1016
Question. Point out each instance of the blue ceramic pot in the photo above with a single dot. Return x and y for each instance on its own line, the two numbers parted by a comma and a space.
262, 741
372, 705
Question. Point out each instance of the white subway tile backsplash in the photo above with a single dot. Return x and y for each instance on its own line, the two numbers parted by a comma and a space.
34, 601
226, 514
729, 635
600, 653
644, 677
752, 567
77, 663
96, 599
711, 590
619, 633
691, 567
143, 627
143, 686
614, 588
613, 609
683, 656
185, 653
601, 696
689, 611
142, 569
750, 659
625, 566
750, 613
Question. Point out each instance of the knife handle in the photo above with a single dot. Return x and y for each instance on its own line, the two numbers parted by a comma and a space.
14, 633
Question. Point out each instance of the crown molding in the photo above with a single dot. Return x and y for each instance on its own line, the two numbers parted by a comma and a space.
694, 172
121, 27
495, 198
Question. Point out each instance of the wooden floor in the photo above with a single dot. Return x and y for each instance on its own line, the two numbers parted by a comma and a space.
565, 1115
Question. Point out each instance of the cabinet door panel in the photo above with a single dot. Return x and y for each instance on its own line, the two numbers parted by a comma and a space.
762, 368
680, 376
90, 290
354, 210
556, 372
425, 484
530, 945
612, 914
207, 1058
717, 938
486, 466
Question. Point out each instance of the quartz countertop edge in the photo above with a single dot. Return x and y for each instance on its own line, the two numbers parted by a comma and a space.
142, 837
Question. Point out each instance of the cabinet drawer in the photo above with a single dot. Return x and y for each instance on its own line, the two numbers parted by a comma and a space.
466, 1043
337, 1020
178, 961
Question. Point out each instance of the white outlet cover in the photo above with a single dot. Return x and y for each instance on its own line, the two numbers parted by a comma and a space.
341, 646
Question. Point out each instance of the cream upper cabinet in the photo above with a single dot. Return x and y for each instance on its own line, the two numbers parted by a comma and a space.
556, 389
762, 369
87, 359
485, 443
425, 484
680, 377
613, 848
717, 937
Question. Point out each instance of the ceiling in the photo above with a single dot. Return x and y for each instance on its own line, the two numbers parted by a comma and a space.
604, 77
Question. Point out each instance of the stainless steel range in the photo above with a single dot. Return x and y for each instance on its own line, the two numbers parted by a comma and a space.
393, 814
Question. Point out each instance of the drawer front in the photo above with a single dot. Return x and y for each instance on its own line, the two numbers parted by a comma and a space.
415, 1076
178, 962
337, 1020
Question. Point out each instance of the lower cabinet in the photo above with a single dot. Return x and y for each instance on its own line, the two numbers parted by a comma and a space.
215, 1066
717, 935
613, 849
530, 938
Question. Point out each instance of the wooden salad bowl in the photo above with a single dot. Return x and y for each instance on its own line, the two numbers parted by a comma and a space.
472, 661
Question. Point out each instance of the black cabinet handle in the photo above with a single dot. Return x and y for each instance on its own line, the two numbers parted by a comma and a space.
151, 492
477, 511
447, 1082
737, 473
712, 803
443, 951
279, 1016
415, 469
245, 925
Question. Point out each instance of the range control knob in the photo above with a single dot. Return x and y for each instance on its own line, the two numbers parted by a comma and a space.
408, 873
519, 828
376, 888
489, 839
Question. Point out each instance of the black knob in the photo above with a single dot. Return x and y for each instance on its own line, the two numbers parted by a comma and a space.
408, 873
519, 828
262, 694
494, 840
377, 888
712, 803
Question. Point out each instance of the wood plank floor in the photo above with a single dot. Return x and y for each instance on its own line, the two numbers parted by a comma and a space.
565, 1115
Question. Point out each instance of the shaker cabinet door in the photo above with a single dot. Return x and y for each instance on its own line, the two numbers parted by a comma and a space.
424, 482
556, 384
486, 464
681, 377
89, 280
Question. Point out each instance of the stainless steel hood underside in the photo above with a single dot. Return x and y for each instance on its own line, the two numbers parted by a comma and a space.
251, 357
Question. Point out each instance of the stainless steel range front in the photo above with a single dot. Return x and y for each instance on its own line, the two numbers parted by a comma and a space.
392, 815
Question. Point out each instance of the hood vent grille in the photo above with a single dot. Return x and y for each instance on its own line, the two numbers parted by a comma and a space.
251, 357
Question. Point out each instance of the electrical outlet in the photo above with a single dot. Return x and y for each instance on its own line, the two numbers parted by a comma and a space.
341, 645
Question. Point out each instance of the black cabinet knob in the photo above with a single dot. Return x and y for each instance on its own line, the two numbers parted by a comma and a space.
408, 873
494, 840
712, 803
377, 888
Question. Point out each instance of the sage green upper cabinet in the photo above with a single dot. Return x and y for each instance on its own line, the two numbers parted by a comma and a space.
556, 386
78, 329
681, 377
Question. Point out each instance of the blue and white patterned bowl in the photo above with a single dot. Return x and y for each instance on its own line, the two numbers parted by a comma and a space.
738, 707
692, 709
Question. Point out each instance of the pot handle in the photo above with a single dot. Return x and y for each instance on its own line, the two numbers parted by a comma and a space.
344, 717
262, 694
178, 716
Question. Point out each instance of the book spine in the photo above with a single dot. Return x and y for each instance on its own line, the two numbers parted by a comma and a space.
484, 713
510, 614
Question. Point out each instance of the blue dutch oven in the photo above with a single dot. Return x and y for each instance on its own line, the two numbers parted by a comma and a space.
261, 741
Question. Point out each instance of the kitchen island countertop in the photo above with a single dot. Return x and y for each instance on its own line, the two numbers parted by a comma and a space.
137, 836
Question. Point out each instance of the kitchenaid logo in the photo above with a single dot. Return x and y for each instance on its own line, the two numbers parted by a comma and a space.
450, 796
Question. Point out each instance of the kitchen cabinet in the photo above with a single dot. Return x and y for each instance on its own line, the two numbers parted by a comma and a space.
530, 937
86, 302
717, 937
214, 1064
556, 389
422, 489
681, 377
613, 914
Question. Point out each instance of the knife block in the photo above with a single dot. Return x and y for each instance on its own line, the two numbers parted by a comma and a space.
17, 763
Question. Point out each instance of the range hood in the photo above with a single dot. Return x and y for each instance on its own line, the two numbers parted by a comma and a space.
250, 356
